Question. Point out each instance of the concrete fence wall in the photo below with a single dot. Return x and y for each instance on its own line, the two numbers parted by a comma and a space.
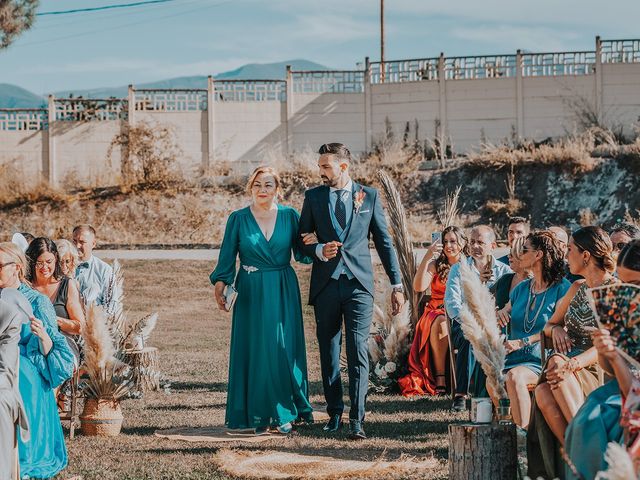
466, 100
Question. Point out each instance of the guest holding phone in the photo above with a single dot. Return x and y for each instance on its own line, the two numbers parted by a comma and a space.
268, 384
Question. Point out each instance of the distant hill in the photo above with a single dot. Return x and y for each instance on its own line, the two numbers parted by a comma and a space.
255, 71
12, 96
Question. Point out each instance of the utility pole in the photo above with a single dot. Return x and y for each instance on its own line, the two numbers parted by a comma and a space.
381, 41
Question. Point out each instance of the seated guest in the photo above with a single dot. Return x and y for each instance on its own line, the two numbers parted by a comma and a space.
563, 240
45, 362
531, 304
45, 275
11, 409
518, 227
623, 233
92, 274
598, 421
427, 358
501, 291
69, 259
481, 245
570, 373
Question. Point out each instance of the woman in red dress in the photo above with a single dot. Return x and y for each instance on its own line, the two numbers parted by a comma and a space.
428, 355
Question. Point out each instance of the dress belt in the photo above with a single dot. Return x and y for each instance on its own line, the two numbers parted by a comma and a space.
271, 268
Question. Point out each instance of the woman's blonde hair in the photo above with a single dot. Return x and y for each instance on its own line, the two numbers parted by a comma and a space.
66, 247
517, 247
17, 256
267, 171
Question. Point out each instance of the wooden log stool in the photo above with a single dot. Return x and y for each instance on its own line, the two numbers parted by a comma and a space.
482, 451
145, 368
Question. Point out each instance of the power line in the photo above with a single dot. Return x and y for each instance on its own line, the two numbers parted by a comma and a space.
117, 27
105, 7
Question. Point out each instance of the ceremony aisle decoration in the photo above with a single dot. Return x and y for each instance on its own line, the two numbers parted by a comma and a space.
390, 337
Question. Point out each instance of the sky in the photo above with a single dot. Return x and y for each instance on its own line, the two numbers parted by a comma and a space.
204, 37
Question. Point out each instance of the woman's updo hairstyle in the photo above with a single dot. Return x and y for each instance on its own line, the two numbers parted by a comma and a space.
595, 240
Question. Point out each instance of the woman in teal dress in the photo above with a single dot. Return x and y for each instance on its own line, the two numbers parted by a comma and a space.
598, 421
268, 384
45, 362
531, 304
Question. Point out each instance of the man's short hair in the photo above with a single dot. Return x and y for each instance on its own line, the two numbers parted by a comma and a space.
85, 227
629, 228
340, 150
516, 220
485, 229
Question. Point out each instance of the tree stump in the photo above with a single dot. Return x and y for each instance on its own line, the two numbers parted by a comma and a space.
482, 451
145, 368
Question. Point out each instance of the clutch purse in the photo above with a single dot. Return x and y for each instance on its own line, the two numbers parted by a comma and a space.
230, 295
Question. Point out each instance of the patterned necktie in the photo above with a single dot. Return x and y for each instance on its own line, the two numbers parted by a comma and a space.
340, 210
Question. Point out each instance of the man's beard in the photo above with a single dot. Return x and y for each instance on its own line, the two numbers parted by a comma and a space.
328, 182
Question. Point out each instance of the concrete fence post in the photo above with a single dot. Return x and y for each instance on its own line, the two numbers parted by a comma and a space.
444, 129
208, 159
289, 105
50, 162
598, 79
131, 105
520, 128
368, 106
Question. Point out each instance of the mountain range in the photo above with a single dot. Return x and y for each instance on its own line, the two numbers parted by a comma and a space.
13, 96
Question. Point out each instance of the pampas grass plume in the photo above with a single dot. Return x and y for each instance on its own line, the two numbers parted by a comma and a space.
620, 464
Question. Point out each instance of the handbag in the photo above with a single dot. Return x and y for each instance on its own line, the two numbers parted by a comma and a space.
230, 294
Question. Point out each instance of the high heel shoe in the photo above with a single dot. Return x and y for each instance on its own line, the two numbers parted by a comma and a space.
285, 429
441, 389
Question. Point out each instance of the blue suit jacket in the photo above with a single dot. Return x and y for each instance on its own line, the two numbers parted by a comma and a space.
368, 221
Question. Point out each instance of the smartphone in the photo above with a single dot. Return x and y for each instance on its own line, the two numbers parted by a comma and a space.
435, 236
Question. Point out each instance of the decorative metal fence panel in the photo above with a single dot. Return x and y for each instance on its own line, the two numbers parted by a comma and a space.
493, 66
620, 51
398, 71
558, 64
250, 90
24, 119
339, 81
174, 100
81, 109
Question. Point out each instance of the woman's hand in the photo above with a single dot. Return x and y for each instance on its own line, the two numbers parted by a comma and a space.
512, 345
309, 238
504, 316
561, 341
557, 372
434, 250
605, 344
219, 294
37, 328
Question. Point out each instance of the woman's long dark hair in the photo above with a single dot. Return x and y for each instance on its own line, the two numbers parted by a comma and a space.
442, 263
553, 270
630, 256
596, 241
36, 248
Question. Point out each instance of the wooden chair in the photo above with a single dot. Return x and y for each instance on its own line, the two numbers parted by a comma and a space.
73, 414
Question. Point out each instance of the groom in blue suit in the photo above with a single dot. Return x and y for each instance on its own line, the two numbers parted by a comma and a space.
344, 215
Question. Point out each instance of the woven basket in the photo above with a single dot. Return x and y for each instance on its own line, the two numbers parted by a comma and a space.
101, 418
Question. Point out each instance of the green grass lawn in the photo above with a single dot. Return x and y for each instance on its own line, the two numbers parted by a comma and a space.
193, 339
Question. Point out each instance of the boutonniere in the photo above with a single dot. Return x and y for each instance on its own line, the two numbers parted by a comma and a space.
358, 200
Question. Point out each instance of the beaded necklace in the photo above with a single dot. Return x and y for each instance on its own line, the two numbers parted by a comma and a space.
531, 303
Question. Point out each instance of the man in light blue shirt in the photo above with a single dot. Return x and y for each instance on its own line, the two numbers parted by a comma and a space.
92, 274
482, 243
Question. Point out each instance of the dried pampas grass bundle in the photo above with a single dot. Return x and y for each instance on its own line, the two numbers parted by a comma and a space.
109, 378
480, 327
402, 241
620, 464
449, 214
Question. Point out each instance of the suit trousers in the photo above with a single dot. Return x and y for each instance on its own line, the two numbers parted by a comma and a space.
347, 300
462, 358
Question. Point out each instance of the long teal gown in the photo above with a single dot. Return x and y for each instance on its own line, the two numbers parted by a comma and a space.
44, 454
596, 423
268, 383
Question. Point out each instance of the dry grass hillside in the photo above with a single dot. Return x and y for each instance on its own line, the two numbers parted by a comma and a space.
588, 176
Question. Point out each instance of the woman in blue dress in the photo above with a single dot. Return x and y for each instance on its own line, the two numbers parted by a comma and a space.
268, 384
45, 362
531, 304
598, 421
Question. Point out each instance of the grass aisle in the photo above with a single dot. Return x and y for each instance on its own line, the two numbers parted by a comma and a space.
193, 339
